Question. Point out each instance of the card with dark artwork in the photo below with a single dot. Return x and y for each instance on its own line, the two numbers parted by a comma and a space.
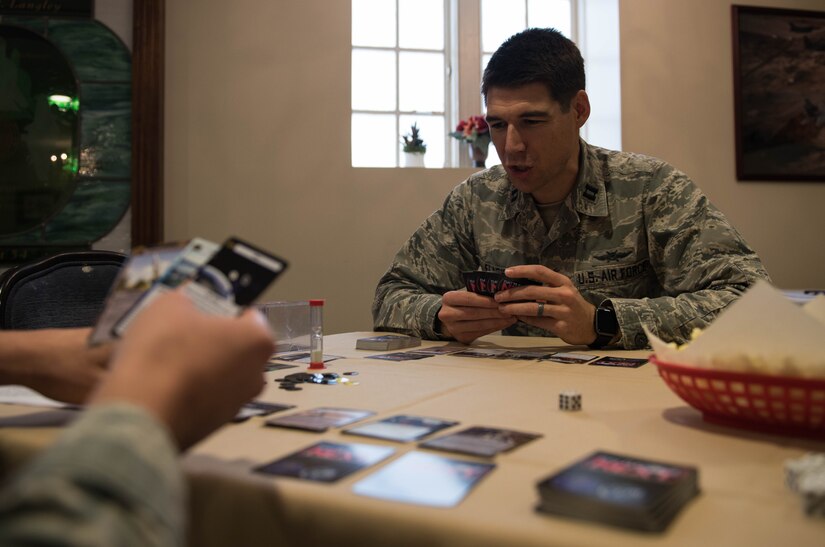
622, 362
401, 356
570, 358
481, 441
327, 461
259, 408
319, 419
401, 428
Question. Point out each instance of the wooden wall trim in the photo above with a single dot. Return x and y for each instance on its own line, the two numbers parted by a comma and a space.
147, 121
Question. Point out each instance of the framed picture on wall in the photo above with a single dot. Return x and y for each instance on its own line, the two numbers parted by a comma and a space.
779, 93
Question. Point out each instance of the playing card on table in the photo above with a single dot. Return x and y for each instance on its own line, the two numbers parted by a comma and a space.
401, 356
570, 357
622, 362
327, 461
424, 479
401, 428
259, 408
320, 419
480, 441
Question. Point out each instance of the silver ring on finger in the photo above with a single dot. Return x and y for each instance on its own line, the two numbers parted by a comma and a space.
540, 311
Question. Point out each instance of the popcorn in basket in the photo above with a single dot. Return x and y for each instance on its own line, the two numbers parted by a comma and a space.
759, 365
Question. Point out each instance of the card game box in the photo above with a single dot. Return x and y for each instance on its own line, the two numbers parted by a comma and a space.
387, 342
620, 490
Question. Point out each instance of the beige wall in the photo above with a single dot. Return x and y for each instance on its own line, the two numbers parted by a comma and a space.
257, 145
257, 142
677, 104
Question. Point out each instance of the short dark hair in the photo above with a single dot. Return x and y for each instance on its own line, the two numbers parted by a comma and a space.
537, 55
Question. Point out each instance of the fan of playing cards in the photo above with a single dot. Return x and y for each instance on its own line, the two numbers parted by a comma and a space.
759, 365
219, 279
489, 283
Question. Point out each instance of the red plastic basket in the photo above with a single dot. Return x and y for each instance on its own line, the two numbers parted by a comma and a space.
774, 404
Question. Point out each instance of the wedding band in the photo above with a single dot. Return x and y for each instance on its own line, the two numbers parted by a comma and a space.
541, 309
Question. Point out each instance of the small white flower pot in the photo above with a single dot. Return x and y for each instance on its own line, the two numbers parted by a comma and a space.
413, 159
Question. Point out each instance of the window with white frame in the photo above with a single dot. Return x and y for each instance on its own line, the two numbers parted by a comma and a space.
420, 62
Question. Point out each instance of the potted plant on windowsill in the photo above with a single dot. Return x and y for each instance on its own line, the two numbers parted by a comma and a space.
414, 148
476, 133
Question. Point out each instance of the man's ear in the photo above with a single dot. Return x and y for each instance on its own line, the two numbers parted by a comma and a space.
581, 106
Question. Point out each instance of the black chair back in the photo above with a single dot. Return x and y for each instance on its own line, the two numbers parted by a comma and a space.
64, 290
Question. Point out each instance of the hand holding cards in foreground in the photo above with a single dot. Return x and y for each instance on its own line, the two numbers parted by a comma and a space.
219, 280
190, 370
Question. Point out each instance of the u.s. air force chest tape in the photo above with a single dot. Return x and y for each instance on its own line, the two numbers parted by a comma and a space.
611, 274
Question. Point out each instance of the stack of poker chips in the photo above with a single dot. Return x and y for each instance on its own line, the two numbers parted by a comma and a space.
570, 400
806, 477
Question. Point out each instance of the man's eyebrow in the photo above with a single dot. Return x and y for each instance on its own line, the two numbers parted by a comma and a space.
529, 114
535, 114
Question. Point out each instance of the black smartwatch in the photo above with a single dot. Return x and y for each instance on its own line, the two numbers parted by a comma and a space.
605, 324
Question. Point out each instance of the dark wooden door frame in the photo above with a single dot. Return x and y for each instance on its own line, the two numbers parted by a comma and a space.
148, 46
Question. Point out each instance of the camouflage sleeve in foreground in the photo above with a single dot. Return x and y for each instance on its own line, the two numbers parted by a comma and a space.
429, 264
112, 478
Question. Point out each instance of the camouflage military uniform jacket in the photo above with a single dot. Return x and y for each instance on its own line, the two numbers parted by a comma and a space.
113, 478
633, 230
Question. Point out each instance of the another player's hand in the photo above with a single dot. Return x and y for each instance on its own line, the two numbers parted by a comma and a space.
58, 363
466, 316
565, 312
191, 370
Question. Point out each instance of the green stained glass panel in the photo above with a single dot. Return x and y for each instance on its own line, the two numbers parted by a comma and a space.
37, 138
96, 206
105, 130
65, 134
96, 53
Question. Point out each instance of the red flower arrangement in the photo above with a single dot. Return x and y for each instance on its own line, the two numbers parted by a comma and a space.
473, 130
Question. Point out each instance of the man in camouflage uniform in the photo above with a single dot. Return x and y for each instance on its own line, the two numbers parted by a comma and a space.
626, 234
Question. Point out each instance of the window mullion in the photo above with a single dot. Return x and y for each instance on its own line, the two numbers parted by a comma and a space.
397, 84
469, 54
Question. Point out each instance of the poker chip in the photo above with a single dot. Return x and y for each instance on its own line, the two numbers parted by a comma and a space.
570, 401
291, 381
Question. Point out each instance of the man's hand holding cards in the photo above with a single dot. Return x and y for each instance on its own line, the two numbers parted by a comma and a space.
467, 315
